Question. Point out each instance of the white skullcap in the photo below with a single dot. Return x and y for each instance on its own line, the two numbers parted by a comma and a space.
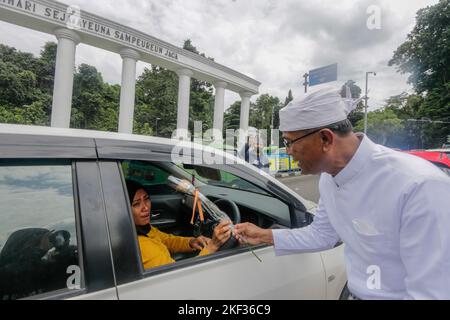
318, 109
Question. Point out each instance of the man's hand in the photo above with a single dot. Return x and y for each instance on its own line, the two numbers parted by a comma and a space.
199, 243
248, 233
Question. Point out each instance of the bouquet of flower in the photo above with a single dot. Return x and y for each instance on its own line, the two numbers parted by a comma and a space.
200, 201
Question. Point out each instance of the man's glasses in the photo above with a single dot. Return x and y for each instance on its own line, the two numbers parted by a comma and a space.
289, 143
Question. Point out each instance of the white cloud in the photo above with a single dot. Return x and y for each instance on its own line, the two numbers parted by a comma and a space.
275, 42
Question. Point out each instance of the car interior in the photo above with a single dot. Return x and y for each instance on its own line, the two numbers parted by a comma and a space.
34, 261
171, 210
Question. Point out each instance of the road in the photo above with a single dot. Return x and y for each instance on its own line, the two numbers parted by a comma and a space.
306, 186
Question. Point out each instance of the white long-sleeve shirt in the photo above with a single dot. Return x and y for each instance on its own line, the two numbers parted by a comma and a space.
392, 211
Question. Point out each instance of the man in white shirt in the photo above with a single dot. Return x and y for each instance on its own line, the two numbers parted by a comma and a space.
391, 210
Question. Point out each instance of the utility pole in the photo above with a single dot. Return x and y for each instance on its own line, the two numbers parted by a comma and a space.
367, 98
306, 83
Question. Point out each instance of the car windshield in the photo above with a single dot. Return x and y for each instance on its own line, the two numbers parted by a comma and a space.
221, 178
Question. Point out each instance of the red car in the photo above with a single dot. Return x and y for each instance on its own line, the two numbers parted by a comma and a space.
439, 157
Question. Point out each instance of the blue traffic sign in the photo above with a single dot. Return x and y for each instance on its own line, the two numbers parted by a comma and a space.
323, 75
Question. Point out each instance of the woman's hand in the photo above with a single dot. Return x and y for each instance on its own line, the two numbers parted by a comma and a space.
199, 243
221, 235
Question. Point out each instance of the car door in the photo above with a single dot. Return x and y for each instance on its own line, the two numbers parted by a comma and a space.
53, 232
240, 273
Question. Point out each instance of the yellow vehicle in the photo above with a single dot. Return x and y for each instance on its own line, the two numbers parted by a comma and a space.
280, 161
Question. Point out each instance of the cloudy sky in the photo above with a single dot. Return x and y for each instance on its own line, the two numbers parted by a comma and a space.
273, 41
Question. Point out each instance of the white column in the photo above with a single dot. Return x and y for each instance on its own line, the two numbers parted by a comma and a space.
64, 69
245, 114
128, 90
184, 91
219, 110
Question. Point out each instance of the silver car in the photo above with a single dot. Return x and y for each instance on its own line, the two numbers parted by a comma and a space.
66, 229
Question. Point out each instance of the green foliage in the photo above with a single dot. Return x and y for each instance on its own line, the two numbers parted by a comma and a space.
232, 117
156, 98
88, 98
425, 55
419, 120
26, 89
289, 98
23, 100
262, 111
357, 114
201, 97
381, 126
46, 67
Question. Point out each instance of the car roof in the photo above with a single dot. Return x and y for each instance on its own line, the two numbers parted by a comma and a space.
80, 133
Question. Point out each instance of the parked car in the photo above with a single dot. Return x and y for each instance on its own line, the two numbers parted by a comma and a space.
66, 229
439, 157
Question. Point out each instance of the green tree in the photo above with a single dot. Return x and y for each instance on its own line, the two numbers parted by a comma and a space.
26, 88
46, 67
232, 116
262, 111
425, 55
382, 125
289, 98
108, 117
201, 96
358, 113
21, 99
87, 97
156, 95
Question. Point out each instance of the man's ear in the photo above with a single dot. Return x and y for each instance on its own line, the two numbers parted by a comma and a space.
327, 138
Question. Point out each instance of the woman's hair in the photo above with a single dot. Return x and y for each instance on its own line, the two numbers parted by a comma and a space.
133, 187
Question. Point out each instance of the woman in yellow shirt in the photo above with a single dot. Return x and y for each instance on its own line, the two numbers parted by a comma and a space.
156, 246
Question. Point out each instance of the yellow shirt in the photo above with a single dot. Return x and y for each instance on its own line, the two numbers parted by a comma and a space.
157, 246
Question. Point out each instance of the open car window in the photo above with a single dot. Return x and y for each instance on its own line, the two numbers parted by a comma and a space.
153, 177
172, 210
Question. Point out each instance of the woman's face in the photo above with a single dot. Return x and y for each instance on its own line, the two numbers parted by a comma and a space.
141, 206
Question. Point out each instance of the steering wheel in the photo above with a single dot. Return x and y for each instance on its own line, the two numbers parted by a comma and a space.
232, 210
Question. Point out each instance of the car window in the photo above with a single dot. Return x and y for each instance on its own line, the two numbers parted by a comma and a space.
222, 178
38, 240
144, 173
152, 177
171, 216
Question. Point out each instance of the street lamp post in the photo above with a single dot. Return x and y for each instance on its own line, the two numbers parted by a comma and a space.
367, 98
156, 126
